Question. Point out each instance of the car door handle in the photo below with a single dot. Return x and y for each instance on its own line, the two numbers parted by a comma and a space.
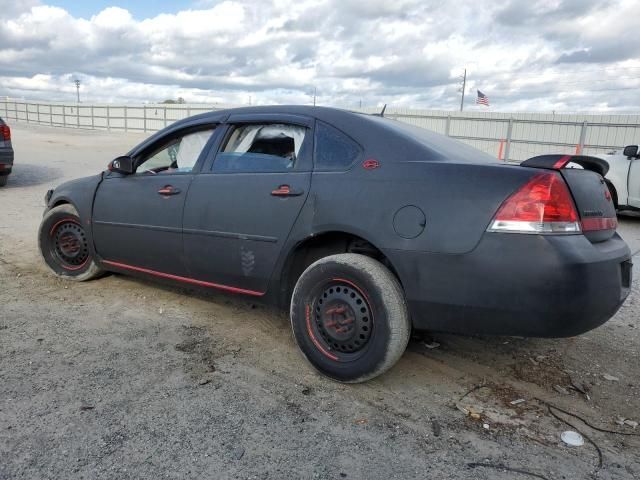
286, 191
169, 190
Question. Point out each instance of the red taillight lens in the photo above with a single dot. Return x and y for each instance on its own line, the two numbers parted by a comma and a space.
544, 198
5, 131
599, 223
542, 205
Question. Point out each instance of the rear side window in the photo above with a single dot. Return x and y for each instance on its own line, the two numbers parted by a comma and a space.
260, 148
333, 149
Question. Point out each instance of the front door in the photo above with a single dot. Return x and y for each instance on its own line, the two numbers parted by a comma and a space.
633, 184
239, 213
137, 218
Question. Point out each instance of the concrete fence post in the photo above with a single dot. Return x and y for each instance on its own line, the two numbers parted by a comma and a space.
93, 124
51, 115
78, 115
64, 116
447, 128
164, 115
144, 118
108, 119
26, 110
125, 118
583, 136
507, 148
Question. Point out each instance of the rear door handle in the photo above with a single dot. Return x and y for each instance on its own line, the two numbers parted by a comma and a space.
286, 191
169, 190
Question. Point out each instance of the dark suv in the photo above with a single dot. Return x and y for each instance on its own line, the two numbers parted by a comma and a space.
6, 152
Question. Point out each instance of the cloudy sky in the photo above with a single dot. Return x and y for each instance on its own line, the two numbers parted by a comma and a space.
526, 55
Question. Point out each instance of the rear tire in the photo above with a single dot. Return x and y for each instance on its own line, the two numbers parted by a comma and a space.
64, 245
3, 180
349, 317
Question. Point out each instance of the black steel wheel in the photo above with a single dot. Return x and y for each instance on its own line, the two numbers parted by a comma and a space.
64, 245
69, 244
349, 317
343, 319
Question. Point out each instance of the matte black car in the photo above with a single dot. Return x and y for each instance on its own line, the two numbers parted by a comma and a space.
6, 153
363, 226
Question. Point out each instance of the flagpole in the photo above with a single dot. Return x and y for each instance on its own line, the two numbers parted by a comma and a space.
464, 84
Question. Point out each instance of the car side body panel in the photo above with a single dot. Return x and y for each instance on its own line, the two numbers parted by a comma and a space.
422, 200
6, 154
618, 175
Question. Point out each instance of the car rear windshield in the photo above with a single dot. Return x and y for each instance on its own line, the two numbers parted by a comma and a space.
448, 148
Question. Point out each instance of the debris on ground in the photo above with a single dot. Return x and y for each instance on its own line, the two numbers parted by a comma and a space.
305, 391
571, 438
435, 427
430, 345
626, 422
238, 453
517, 402
610, 378
561, 389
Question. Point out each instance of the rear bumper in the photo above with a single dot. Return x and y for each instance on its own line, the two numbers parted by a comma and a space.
528, 285
6, 160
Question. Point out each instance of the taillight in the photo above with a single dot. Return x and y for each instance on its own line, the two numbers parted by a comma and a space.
542, 205
5, 131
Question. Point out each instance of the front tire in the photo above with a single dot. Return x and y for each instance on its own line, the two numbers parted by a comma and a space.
64, 245
3, 180
349, 317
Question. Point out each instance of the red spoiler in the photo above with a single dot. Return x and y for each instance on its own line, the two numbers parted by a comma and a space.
557, 162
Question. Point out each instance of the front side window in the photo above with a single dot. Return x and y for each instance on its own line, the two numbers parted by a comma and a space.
179, 155
261, 148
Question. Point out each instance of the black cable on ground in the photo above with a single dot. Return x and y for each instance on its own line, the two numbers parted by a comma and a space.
498, 466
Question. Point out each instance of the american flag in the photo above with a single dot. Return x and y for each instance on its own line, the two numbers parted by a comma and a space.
482, 99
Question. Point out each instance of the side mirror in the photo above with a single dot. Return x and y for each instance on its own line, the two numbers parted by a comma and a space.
123, 165
630, 151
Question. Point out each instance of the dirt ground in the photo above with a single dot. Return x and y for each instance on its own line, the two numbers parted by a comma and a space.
120, 378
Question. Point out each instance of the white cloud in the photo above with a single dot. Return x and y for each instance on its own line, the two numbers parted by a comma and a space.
525, 54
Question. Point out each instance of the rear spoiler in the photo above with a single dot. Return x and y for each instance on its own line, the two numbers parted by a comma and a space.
557, 162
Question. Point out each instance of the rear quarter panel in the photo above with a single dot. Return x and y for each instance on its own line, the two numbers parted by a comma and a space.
458, 201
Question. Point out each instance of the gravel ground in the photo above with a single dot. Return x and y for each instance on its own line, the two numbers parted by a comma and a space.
121, 378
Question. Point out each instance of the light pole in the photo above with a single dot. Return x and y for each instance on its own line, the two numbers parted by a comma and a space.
77, 82
464, 84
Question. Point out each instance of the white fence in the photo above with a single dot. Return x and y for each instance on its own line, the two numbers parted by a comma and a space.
507, 136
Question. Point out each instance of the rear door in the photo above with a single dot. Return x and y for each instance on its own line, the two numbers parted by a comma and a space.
242, 206
137, 219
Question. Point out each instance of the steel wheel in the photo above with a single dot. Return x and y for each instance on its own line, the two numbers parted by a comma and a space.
69, 244
343, 318
65, 245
